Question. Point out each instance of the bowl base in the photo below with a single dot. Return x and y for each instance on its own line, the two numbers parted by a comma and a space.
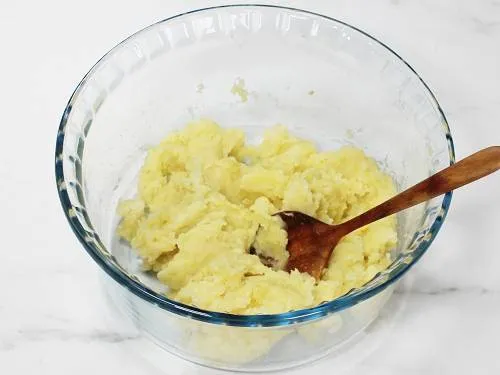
344, 355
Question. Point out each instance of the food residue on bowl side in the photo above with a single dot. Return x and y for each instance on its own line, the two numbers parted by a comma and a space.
240, 90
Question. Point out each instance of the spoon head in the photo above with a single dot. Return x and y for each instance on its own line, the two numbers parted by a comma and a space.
310, 243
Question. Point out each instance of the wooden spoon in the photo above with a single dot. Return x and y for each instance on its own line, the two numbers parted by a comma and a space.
311, 242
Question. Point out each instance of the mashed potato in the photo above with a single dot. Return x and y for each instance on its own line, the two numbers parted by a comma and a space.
205, 198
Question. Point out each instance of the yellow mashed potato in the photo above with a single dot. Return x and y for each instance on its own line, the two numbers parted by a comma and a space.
205, 198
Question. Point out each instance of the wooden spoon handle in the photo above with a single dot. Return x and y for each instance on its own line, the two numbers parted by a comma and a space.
467, 170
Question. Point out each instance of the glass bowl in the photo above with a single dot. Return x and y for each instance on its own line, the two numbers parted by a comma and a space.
250, 67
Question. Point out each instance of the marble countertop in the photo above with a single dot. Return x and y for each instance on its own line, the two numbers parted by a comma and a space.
51, 313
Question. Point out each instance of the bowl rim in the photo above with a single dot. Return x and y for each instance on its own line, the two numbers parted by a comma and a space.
107, 263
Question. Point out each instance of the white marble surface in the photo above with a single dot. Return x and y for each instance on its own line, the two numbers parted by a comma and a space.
51, 314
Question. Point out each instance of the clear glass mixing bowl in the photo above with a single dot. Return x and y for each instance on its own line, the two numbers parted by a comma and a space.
326, 80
